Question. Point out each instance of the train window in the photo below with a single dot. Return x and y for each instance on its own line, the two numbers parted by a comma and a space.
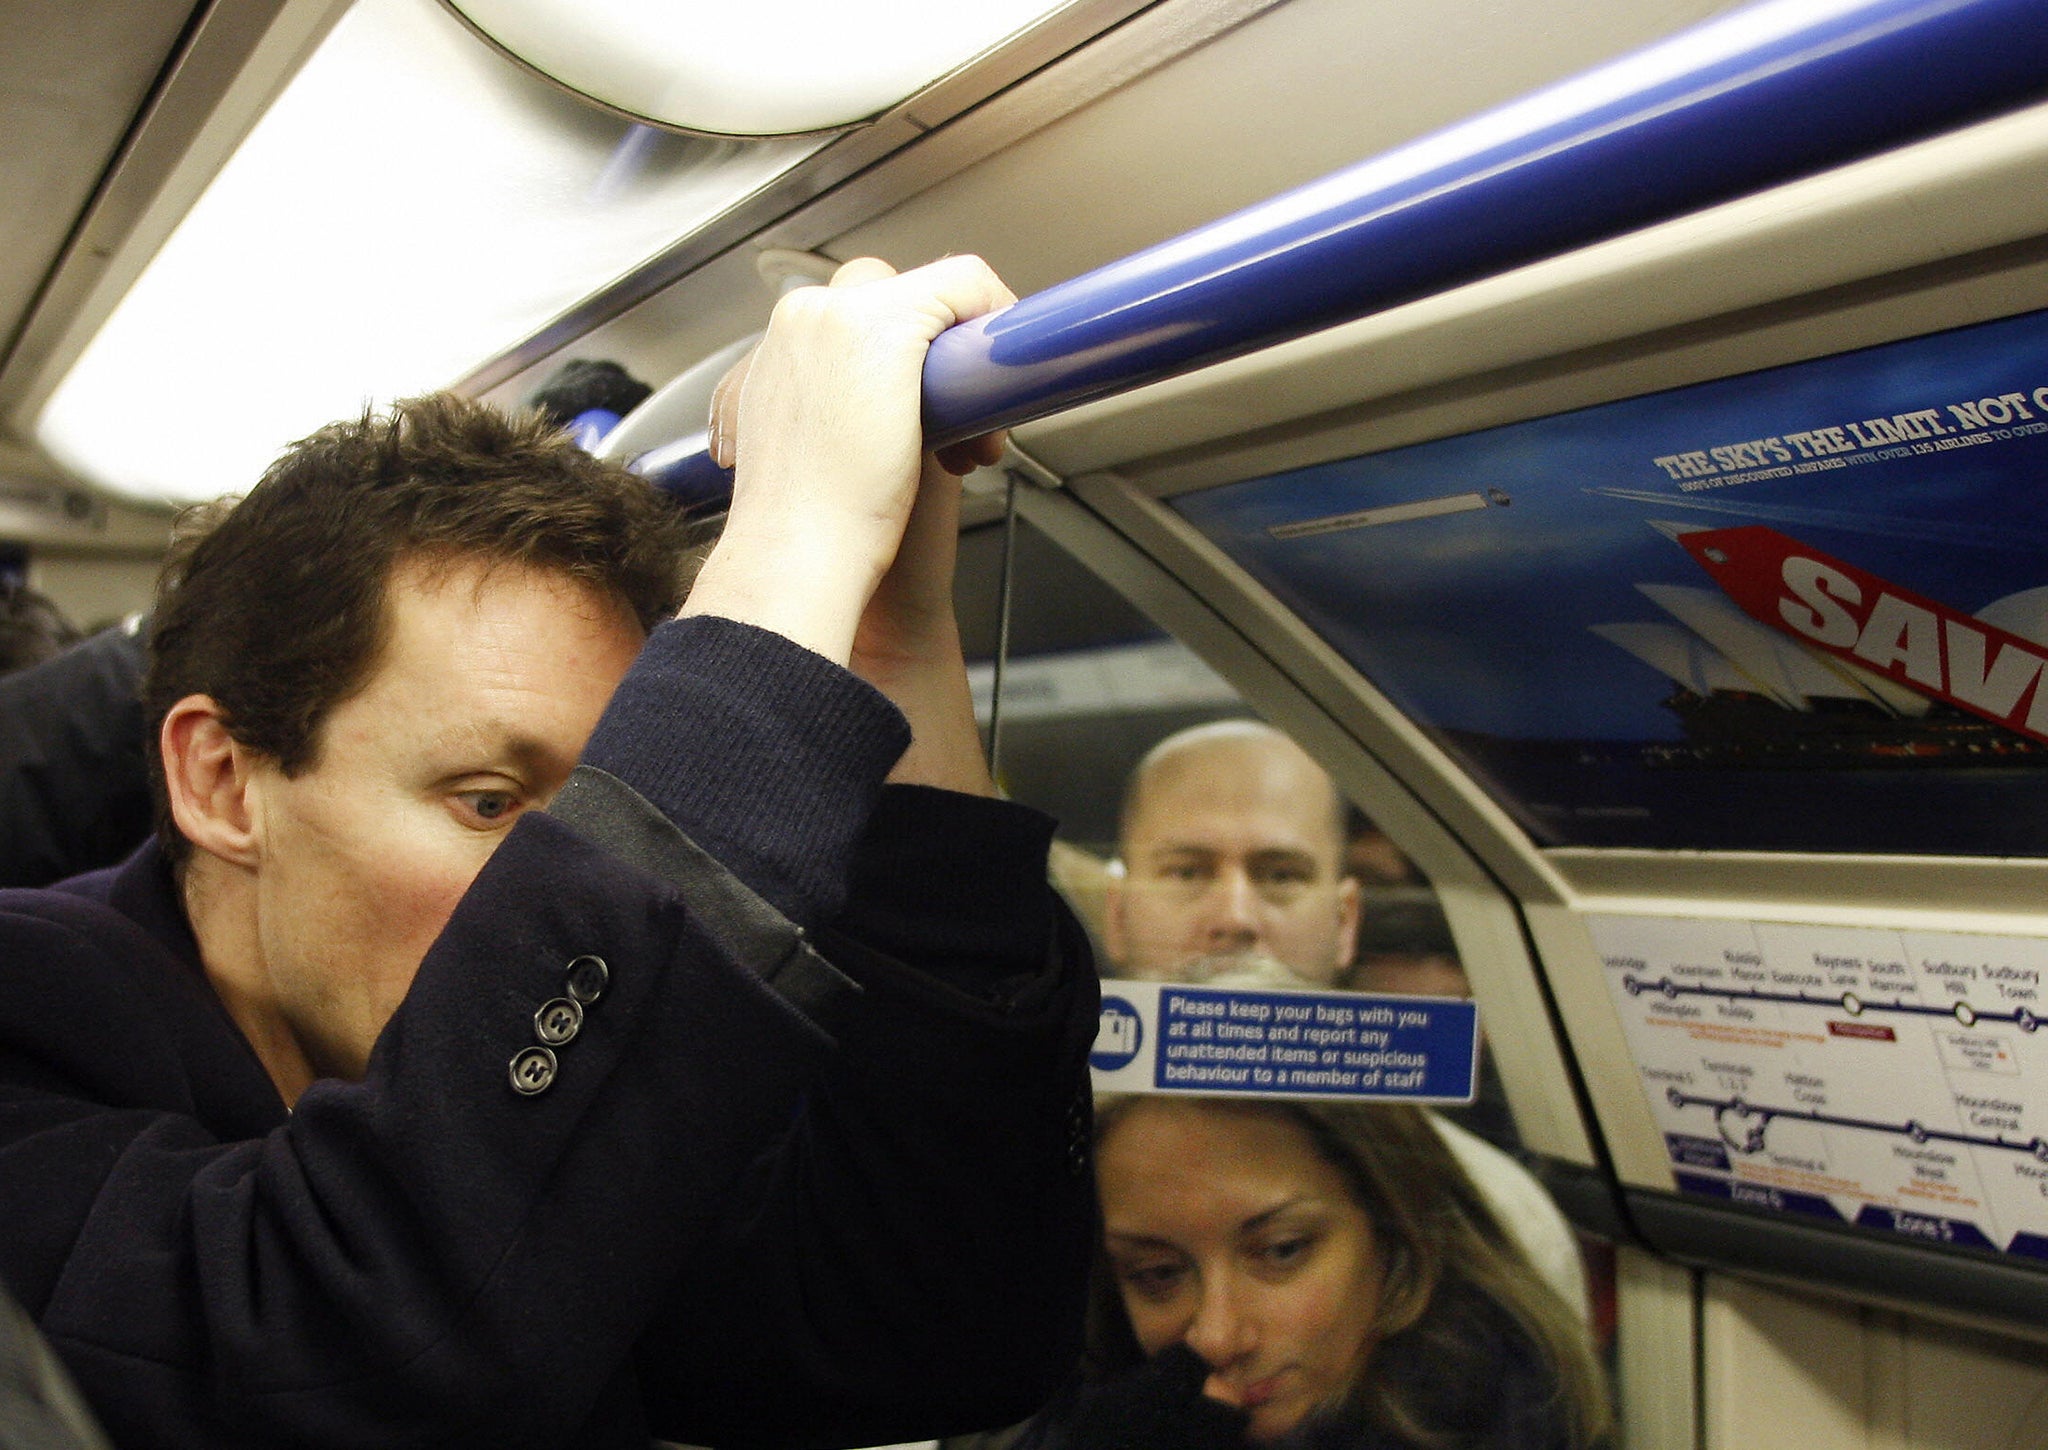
1197, 843
1204, 847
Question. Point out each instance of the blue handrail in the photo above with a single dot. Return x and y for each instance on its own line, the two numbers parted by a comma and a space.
1757, 97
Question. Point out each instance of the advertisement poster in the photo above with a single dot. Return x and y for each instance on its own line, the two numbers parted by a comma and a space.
1801, 609
1895, 1080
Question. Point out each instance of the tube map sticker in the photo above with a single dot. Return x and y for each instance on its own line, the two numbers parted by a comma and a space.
1157, 1037
1802, 609
1896, 1080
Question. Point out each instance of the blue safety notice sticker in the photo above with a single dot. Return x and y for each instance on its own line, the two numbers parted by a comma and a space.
1159, 1037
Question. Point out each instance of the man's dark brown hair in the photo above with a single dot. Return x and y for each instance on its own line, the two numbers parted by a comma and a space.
275, 605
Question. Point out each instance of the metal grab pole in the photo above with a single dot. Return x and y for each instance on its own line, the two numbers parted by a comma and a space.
1757, 97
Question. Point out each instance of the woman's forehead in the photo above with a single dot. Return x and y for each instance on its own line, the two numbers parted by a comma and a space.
1208, 1161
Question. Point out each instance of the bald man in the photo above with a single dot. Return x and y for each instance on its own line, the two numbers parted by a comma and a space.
1231, 870
1232, 849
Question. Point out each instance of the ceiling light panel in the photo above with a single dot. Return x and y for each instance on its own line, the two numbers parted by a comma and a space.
410, 204
761, 68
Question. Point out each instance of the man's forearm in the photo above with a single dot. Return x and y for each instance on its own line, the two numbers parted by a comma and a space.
945, 744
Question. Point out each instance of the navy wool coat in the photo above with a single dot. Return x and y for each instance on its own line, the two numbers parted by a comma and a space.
812, 1169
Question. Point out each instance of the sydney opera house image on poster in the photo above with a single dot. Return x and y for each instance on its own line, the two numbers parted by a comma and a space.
1798, 609
1750, 693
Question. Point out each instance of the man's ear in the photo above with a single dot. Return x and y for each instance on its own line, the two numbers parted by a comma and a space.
1114, 936
1348, 913
207, 777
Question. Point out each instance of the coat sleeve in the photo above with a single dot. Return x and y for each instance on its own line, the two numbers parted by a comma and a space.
913, 1261
738, 1128
912, 1258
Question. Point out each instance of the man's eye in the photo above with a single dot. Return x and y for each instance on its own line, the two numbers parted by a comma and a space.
488, 807
1283, 886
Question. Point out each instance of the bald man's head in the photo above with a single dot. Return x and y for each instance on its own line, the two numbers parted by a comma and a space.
1232, 843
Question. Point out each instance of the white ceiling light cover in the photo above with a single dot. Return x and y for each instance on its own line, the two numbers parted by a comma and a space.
753, 68
410, 205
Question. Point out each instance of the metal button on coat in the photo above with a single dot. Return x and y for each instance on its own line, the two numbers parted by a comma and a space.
533, 1071
587, 978
558, 1020
1080, 1138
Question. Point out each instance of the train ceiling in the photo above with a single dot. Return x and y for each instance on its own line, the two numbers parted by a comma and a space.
1110, 125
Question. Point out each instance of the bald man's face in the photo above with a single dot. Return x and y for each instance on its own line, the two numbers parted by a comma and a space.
1232, 854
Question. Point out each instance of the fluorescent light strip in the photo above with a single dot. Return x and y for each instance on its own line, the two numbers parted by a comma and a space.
761, 68
411, 203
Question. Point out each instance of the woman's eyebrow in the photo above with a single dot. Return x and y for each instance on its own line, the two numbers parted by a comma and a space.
1260, 1220
1125, 1236
1132, 1238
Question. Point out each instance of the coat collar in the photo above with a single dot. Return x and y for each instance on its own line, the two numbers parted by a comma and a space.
233, 1088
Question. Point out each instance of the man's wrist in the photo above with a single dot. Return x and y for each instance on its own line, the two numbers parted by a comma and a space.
809, 587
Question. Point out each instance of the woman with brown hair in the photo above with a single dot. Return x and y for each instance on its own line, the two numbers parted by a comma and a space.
1313, 1275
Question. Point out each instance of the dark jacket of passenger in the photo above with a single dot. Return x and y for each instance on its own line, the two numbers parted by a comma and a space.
74, 789
1512, 1403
